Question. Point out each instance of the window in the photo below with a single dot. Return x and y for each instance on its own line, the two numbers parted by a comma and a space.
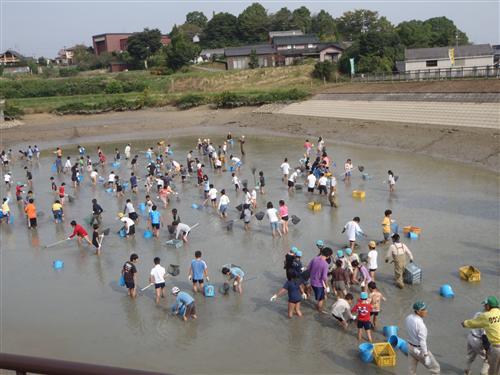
431, 63
289, 46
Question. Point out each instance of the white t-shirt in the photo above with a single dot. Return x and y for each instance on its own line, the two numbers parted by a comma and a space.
93, 174
7, 178
236, 180
351, 229
181, 227
158, 273
111, 177
248, 198
128, 221
272, 214
311, 181
372, 259
348, 167
322, 181
218, 163
224, 200
392, 181
212, 193
67, 164
293, 176
333, 181
235, 159
285, 168
130, 207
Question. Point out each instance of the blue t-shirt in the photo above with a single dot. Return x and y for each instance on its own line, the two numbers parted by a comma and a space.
235, 272
293, 288
155, 217
183, 298
198, 267
133, 181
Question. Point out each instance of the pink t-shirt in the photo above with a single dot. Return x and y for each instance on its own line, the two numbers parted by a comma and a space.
283, 211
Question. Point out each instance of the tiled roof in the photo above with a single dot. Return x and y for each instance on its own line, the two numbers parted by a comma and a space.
442, 52
260, 49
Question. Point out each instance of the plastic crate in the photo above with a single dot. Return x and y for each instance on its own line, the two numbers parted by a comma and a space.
469, 273
416, 230
407, 229
412, 274
358, 194
315, 206
384, 354
174, 243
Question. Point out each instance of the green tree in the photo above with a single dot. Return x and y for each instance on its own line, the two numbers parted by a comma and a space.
143, 44
181, 51
253, 24
42, 61
254, 60
374, 64
324, 70
190, 30
414, 34
353, 23
221, 31
83, 57
301, 19
196, 18
444, 32
281, 20
324, 26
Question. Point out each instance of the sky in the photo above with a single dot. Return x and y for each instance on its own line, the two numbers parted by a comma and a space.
41, 28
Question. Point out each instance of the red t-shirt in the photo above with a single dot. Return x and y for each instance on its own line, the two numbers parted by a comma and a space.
79, 231
362, 310
61, 191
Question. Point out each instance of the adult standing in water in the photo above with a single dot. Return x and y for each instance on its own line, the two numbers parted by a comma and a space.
242, 142
318, 270
417, 341
398, 252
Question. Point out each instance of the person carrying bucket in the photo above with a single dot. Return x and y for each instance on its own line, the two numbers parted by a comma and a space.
398, 252
489, 320
417, 341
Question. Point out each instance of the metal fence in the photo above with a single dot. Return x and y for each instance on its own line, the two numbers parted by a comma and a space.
488, 71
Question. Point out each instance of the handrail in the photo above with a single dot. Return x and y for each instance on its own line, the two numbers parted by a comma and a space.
23, 364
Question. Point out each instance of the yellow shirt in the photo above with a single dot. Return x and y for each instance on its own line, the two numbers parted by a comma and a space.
57, 207
490, 322
386, 225
5, 208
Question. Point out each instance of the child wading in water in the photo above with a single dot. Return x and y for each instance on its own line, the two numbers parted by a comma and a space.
391, 180
283, 212
363, 309
295, 294
375, 299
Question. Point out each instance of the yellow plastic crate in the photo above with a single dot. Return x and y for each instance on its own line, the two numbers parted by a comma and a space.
358, 194
310, 205
384, 354
416, 230
314, 206
469, 273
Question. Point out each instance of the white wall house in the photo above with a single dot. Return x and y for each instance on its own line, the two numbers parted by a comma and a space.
475, 55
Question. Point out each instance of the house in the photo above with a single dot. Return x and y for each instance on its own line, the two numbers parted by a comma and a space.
496, 54
196, 38
116, 42
209, 53
428, 59
296, 47
11, 57
239, 57
273, 34
65, 56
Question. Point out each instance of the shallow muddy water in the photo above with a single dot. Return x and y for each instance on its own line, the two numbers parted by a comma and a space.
80, 313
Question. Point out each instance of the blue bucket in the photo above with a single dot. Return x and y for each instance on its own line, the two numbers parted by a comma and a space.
142, 207
366, 352
231, 169
109, 190
123, 233
412, 236
446, 291
194, 205
58, 264
121, 282
390, 331
170, 152
53, 168
394, 228
398, 343
209, 290
80, 178
116, 164
148, 234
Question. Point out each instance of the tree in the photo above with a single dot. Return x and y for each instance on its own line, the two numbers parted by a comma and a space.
253, 23
221, 31
444, 32
374, 64
281, 20
181, 50
324, 70
42, 61
190, 30
254, 60
143, 44
301, 19
353, 23
196, 18
324, 26
414, 34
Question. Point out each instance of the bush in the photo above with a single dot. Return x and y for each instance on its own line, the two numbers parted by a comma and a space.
189, 101
324, 70
116, 104
113, 87
68, 72
232, 100
12, 112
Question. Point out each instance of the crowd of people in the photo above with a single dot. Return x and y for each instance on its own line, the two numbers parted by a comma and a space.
347, 275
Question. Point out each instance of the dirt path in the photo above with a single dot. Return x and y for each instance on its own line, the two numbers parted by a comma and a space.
475, 146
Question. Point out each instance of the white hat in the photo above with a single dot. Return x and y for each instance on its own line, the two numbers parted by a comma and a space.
175, 290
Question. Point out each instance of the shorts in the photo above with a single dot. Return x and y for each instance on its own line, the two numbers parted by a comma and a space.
366, 325
200, 180
372, 270
160, 285
156, 226
291, 183
294, 301
339, 319
236, 186
319, 293
131, 230
190, 309
374, 313
129, 284
133, 216
339, 285
387, 236
57, 214
348, 174
285, 218
274, 225
213, 200
322, 189
33, 222
199, 281
310, 190
223, 209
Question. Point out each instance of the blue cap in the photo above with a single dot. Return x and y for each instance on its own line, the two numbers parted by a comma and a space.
320, 243
340, 253
298, 253
348, 251
363, 295
294, 249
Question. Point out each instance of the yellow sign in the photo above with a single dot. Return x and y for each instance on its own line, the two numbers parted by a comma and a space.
451, 55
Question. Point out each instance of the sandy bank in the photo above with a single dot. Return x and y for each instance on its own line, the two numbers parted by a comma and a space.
475, 146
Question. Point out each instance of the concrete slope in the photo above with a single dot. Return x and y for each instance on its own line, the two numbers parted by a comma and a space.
483, 115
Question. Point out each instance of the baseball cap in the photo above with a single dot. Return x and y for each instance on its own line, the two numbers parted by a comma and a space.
419, 306
363, 295
320, 243
298, 253
348, 251
175, 290
294, 249
491, 301
372, 245
340, 253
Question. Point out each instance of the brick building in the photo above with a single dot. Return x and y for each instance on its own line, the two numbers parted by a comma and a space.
116, 42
